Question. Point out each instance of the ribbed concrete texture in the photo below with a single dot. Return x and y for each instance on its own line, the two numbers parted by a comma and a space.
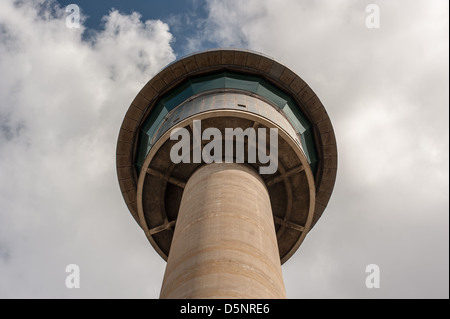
224, 245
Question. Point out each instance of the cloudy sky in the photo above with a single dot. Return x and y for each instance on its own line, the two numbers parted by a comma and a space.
64, 92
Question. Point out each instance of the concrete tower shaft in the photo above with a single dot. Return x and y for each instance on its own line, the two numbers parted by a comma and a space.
224, 245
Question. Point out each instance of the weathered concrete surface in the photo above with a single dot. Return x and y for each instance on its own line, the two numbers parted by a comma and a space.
224, 245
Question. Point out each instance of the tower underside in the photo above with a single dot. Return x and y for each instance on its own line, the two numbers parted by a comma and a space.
290, 186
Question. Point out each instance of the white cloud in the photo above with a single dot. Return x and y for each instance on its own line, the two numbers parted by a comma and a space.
62, 103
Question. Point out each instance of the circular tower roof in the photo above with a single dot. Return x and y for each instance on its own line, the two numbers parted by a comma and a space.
200, 65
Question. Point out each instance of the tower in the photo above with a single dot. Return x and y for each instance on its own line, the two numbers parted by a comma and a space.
226, 159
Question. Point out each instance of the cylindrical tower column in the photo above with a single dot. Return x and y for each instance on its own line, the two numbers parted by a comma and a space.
224, 244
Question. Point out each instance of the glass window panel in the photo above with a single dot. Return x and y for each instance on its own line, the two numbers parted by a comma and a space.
270, 93
179, 95
143, 149
240, 76
298, 114
206, 83
294, 120
241, 82
153, 115
154, 121
307, 139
